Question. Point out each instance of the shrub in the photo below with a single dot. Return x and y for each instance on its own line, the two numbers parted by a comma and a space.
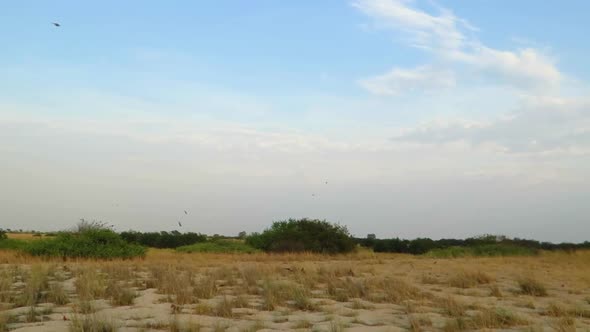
219, 246
303, 235
91, 243
13, 244
173, 239
490, 250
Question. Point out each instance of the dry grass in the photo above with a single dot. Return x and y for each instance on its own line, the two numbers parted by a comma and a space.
57, 294
36, 283
6, 282
497, 318
532, 286
4, 319
307, 291
559, 310
451, 307
91, 323
467, 279
24, 236
564, 324
455, 325
495, 291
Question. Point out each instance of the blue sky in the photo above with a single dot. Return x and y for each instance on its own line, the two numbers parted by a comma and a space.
422, 114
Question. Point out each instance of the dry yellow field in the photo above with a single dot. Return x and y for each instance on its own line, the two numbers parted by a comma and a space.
169, 291
22, 236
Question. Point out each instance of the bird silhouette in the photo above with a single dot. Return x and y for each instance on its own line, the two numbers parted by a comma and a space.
185, 212
179, 224
56, 24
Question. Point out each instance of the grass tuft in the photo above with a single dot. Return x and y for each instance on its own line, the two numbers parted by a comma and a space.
467, 279
497, 318
531, 286
91, 323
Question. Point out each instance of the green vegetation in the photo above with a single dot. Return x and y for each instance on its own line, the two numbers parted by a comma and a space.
484, 250
172, 239
6, 243
485, 245
303, 235
13, 244
91, 243
219, 246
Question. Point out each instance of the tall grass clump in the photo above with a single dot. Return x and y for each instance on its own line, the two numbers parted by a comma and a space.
466, 279
91, 323
88, 243
532, 286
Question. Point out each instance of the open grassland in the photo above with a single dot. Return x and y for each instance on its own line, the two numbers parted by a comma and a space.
175, 291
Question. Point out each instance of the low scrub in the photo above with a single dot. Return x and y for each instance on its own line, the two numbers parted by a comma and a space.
172, 239
219, 246
91, 243
489, 250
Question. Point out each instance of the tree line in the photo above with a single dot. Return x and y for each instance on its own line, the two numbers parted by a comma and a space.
423, 245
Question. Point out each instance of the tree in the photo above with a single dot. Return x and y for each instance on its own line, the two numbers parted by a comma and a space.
242, 235
371, 236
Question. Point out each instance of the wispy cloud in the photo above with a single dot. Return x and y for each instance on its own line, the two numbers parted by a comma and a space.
420, 78
451, 40
541, 125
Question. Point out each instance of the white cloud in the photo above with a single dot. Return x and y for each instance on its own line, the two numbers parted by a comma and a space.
522, 68
420, 78
425, 30
450, 39
542, 125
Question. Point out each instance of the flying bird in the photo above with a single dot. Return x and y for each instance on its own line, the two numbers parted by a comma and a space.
185, 212
179, 224
56, 24
326, 182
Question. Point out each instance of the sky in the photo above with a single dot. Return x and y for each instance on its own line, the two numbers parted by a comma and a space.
403, 118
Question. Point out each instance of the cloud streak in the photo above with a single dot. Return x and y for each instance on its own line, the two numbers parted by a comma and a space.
450, 39
398, 80
541, 125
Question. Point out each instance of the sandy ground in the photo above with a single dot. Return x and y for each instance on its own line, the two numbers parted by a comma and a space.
170, 291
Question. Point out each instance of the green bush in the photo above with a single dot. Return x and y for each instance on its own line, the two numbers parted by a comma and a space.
219, 246
303, 235
172, 239
13, 244
488, 250
89, 243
